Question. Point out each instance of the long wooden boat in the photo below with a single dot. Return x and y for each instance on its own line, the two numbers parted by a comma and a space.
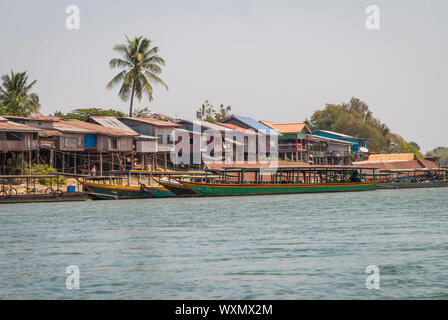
178, 189
220, 189
106, 191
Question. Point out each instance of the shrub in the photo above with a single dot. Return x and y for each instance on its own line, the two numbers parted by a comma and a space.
45, 169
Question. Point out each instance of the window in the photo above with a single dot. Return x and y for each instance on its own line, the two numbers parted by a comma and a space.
2, 136
113, 143
14, 136
160, 138
34, 135
169, 139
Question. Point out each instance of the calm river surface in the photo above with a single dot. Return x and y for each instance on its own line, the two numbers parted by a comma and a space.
308, 246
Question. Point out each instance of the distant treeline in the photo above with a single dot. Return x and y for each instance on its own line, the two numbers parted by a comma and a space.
355, 119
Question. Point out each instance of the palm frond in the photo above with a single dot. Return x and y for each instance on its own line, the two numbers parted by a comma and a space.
153, 78
115, 80
120, 63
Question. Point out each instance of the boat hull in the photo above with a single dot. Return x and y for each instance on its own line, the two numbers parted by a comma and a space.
104, 191
161, 192
213, 189
178, 189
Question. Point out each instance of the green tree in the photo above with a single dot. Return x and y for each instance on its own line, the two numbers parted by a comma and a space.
15, 95
207, 112
84, 114
142, 113
355, 119
141, 65
442, 153
415, 145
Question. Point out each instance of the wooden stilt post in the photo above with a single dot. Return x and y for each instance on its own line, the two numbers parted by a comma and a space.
101, 164
63, 162
30, 160
51, 158
21, 163
74, 164
165, 161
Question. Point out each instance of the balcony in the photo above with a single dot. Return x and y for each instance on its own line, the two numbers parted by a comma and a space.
289, 147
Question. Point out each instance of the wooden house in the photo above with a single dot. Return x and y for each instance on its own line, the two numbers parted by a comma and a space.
270, 135
16, 138
164, 130
292, 144
204, 134
75, 146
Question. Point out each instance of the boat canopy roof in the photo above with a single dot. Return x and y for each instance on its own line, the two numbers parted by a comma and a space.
294, 168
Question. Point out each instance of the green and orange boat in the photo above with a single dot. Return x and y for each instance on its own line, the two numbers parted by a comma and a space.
263, 181
106, 191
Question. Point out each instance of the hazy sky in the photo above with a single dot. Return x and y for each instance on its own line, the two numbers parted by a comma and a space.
271, 60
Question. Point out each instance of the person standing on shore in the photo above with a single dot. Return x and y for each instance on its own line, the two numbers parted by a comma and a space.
93, 171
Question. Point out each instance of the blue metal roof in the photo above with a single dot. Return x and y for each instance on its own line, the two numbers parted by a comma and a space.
258, 126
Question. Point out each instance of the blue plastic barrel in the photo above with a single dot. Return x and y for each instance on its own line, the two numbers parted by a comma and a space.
71, 188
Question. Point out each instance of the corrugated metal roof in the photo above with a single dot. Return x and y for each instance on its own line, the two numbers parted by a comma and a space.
18, 127
111, 122
256, 125
46, 118
316, 137
287, 128
3, 119
154, 122
341, 135
237, 128
207, 124
95, 128
390, 165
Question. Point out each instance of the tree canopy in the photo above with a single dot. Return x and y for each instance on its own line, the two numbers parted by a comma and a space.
441, 152
84, 114
355, 119
15, 96
141, 64
207, 112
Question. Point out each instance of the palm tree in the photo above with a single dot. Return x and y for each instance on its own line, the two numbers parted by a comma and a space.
16, 97
141, 66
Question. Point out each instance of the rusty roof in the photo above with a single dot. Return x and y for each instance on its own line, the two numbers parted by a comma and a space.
391, 165
18, 127
287, 128
153, 122
46, 118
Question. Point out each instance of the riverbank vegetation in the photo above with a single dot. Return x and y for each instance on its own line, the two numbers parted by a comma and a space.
354, 118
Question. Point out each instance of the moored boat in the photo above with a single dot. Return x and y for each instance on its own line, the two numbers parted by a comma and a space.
178, 189
105, 191
259, 181
216, 189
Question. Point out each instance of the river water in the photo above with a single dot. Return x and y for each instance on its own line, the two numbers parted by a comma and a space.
305, 246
